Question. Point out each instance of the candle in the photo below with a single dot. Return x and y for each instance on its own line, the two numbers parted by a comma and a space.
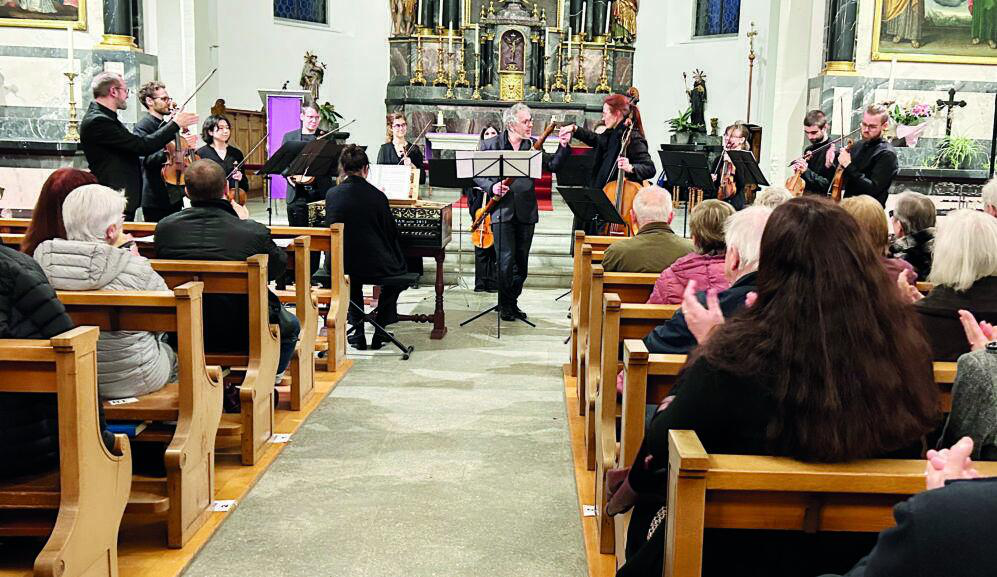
439, 118
893, 64
69, 35
584, 25
477, 37
609, 11
567, 59
441, 12
450, 37
418, 14
560, 17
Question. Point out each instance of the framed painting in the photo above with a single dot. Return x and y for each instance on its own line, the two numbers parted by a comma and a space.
44, 13
943, 31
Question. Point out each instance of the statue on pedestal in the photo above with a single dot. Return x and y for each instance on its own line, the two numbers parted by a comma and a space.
312, 74
697, 100
623, 23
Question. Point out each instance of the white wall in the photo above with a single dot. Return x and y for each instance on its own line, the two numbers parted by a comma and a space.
253, 51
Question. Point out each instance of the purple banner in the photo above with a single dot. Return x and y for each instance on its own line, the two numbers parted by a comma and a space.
283, 116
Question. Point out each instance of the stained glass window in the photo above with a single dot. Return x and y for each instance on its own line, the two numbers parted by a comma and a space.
314, 11
716, 17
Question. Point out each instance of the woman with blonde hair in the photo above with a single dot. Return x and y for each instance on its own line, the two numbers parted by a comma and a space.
872, 220
705, 265
964, 274
397, 149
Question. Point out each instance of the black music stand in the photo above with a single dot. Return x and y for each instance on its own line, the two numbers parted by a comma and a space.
278, 164
575, 170
495, 164
746, 165
588, 205
319, 158
686, 169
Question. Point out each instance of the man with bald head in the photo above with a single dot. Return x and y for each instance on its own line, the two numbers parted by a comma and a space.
655, 247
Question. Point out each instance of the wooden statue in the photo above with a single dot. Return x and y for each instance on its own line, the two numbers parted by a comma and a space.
312, 74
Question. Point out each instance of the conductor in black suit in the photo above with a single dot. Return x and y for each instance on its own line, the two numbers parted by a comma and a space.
515, 216
371, 248
112, 151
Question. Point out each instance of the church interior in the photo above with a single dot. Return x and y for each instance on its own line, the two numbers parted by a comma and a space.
331, 287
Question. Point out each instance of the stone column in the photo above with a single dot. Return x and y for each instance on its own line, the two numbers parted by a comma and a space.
118, 23
840, 49
431, 13
599, 18
451, 13
575, 16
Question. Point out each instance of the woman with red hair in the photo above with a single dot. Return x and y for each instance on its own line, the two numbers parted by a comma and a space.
618, 114
46, 218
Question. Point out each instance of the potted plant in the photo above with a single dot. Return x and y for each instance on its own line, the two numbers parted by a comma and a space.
911, 120
958, 152
682, 127
330, 118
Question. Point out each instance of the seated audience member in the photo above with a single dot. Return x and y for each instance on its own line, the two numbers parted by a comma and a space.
964, 277
942, 531
211, 229
655, 247
801, 373
29, 424
743, 233
871, 217
974, 392
914, 226
46, 218
989, 197
772, 197
96, 257
371, 248
705, 264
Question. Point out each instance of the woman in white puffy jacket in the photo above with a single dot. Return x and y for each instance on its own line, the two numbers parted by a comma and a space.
97, 256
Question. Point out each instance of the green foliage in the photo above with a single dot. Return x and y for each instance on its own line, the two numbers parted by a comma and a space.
330, 118
682, 123
959, 152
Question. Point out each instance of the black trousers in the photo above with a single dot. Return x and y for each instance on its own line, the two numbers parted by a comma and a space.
485, 262
387, 304
513, 240
297, 215
153, 214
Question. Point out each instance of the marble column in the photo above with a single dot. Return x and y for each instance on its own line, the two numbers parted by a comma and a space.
599, 18
118, 23
431, 13
840, 52
575, 15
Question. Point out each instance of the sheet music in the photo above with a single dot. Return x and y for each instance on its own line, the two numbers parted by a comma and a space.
393, 180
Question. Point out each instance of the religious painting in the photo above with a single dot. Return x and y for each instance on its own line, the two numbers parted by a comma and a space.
44, 13
946, 31
403, 17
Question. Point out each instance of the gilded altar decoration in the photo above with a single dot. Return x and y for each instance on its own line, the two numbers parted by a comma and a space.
512, 85
512, 51
946, 31
312, 74
624, 20
44, 14
403, 17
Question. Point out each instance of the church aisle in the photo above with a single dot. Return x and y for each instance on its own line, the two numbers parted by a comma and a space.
456, 462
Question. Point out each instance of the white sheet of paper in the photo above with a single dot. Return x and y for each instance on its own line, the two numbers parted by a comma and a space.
391, 179
280, 438
588, 510
223, 506
125, 401
283, 242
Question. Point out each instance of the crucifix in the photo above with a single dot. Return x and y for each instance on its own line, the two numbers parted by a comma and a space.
952, 103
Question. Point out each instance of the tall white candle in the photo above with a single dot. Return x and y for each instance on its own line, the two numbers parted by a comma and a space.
560, 17
69, 43
450, 37
441, 11
477, 38
609, 9
419, 14
439, 118
567, 59
584, 25
893, 65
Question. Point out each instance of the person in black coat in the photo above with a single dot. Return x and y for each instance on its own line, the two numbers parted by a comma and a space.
299, 194
817, 173
216, 133
393, 152
485, 259
371, 248
211, 229
159, 198
636, 163
112, 151
29, 309
515, 216
871, 164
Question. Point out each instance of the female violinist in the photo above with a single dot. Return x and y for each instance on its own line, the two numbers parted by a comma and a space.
397, 149
485, 263
635, 162
730, 185
216, 133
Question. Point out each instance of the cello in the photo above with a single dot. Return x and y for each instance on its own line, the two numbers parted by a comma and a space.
484, 213
621, 191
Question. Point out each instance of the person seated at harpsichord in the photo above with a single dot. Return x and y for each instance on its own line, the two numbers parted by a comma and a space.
212, 229
655, 246
371, 248
99, 255
824, 365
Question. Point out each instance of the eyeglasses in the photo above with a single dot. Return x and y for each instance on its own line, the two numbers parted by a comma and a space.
166, 98
399, 126
124, 88
311, 117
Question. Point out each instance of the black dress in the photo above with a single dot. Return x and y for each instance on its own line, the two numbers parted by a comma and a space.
233, 156
388, 155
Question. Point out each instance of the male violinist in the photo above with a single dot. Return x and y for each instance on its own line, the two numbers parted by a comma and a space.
305, 190
159, 199
112, 151
871, 165
817, 171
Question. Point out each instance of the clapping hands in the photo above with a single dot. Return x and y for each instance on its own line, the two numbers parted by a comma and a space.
950, 464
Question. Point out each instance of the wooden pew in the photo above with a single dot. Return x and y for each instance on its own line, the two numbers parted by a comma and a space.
194, 401
578, 274
751, 492
91, 487
255, 421
631, 288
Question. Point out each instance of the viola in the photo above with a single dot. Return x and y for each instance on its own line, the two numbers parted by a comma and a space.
837, 184
795, 184
482, 236
179, 157
728, 186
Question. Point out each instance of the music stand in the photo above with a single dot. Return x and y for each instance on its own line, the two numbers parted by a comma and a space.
746, 165
498, 164
319, 158
443, 174
589, 205
687, 169
575, 170
278, 164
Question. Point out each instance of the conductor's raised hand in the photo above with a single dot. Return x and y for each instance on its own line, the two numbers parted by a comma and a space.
499, 189
185, 119
565, 135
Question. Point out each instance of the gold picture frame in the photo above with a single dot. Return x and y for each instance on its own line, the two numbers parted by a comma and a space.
881, 52
79, 23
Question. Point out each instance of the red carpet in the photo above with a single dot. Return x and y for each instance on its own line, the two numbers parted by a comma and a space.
543, 189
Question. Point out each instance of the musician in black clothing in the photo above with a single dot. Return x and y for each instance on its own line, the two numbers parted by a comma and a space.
817, 172
398, 150
302, 191
216, 132
112, 151
735, 138
871, 165
159, 199
636, 163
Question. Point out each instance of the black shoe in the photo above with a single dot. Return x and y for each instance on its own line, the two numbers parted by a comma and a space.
380, 339
358, 341
519, 313
480, 289
508, 315
492, 290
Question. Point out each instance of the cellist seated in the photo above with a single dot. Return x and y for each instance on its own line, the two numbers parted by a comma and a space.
655, 247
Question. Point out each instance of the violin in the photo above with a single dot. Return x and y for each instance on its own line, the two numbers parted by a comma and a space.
621, 191
179, 156
482, 236
837, 185
728, 187
795, 184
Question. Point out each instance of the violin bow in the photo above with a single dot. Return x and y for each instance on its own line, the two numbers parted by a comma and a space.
245, 159
338, 129
414, 142
197, 89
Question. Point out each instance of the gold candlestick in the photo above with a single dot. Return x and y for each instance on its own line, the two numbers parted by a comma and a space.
419, 78
450, 77
559, 85
476, 95
546, 94
462, 80
442, 78
580, 82
73, 127
604, 87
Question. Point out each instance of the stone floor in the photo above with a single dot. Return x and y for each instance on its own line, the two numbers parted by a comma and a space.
455, 462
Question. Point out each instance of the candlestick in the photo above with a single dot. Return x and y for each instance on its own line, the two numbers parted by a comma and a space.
462, 80
604, 87
567, 64
476, 95
546, 94
559, 85
450, 77
441, 67
580, 85
69, 43
73, 126
418, 79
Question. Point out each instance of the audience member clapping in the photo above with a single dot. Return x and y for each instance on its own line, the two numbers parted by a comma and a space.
95, 257
914, 226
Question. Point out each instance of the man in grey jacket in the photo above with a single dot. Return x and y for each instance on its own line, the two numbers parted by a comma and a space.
96, 257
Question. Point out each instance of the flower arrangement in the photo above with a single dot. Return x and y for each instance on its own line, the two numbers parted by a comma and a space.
912, 114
